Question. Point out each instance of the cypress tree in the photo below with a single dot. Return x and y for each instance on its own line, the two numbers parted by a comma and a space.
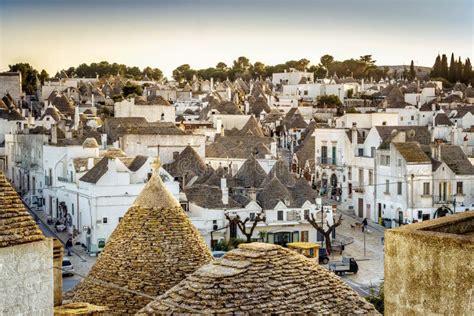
412, 71
467, 71
459, 70
452, 69
444, 67
436, 72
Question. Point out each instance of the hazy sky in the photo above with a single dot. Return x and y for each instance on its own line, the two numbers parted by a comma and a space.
55, 34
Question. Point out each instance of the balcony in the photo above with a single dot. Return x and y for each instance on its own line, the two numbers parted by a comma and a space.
326, 161
359, 189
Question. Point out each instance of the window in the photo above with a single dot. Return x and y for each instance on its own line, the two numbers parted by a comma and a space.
459, 187
72, 209
401, 118
420, 214
361, 152
306, 214
387, 187
280, 215
333, 155
372, 152
371, 177
104, 220
324, 154
361, 177
304, 236
305, 92
252, 217
412, 118
399, 188
426, 188
349, 173
385, 160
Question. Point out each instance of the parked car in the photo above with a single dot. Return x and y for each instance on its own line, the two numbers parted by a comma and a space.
67, 267
218, 254
346, 265
323, 256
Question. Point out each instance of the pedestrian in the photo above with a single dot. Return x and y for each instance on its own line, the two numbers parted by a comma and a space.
69, 246
364, 224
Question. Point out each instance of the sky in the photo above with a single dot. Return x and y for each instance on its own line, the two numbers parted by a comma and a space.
57, 34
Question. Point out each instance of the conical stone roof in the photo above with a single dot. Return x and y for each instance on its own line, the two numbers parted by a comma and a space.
281, 170
153, 248
16, 224
250, 175
251, 128
188, 163
260, 278
272, 193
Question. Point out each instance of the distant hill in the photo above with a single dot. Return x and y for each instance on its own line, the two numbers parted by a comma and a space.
422, 71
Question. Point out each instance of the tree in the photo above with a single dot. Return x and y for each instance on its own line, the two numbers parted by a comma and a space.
221, 65
459, 67
467, 71
130, 89
326, 61
43, 76
183, 73
412, 71
452, 69
28, 76
258, 69
436, 72
241, 64
444, 67
326, 233
153, 73
376, 297
331, 100
260, 217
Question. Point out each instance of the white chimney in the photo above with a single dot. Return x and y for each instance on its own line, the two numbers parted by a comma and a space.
218, 125
92, 100
273, 149
225, 191
111, 165
103, 140
247, 107
212, 84
90, 163
54, 134
76, 118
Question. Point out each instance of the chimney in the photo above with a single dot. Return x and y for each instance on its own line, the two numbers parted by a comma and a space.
273, 149
218, 124
225, 191
54, 134
58, 252
90, 163
103, 140
76, 118
222, 131
212, 84
354, 138
247, 107
68, 134
92, 99
111, 165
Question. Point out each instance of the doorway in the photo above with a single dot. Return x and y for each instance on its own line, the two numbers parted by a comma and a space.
361, 208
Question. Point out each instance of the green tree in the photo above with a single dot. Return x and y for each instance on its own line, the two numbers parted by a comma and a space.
258, 69
326, 61
183, 73
153, 73
444, 67
329, 100
412, 71
467, 72
241, 64
43, 76
459, 67
221, 65
452, 69
376, 297
28, 76
436, 72
131, 89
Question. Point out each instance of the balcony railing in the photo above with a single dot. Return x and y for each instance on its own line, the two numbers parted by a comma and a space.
327, 161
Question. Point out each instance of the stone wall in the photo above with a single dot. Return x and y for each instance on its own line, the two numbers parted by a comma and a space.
26, 279
429, 267
10, 82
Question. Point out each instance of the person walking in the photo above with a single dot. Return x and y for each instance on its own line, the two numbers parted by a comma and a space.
69, 246
364, 224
